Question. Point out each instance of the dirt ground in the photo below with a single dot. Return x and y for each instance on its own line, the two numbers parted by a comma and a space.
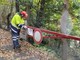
28, 52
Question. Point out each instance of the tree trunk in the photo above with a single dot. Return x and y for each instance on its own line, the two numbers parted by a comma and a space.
17, 5
8, 20
65, 50
65, 43
9, 14
40, 14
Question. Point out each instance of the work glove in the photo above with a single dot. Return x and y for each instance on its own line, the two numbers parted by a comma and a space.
24, 27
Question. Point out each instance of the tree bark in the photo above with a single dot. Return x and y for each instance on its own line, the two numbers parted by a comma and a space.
65, 43
8, 20
17, 5
9, 14
40, 14
65, 50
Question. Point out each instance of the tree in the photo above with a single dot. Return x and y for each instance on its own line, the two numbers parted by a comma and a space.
6, 11
40, 14
17, 5
65, 43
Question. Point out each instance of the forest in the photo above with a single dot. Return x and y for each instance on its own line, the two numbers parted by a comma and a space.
61, 16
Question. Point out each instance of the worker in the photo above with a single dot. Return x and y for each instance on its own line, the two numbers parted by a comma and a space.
17, 23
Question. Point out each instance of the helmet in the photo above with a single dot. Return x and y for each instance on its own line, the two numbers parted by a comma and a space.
24, 14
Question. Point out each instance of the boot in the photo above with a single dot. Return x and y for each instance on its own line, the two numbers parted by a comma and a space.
17, 50
16, 45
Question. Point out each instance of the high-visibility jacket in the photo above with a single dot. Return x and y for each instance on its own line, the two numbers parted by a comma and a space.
16, 23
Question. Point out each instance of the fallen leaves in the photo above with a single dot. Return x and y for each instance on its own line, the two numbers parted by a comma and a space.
28, 52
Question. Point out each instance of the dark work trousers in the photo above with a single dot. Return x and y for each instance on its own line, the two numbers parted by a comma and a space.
15, 38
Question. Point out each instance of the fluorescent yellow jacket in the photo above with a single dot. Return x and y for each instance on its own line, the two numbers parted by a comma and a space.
17, 20
16, 23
